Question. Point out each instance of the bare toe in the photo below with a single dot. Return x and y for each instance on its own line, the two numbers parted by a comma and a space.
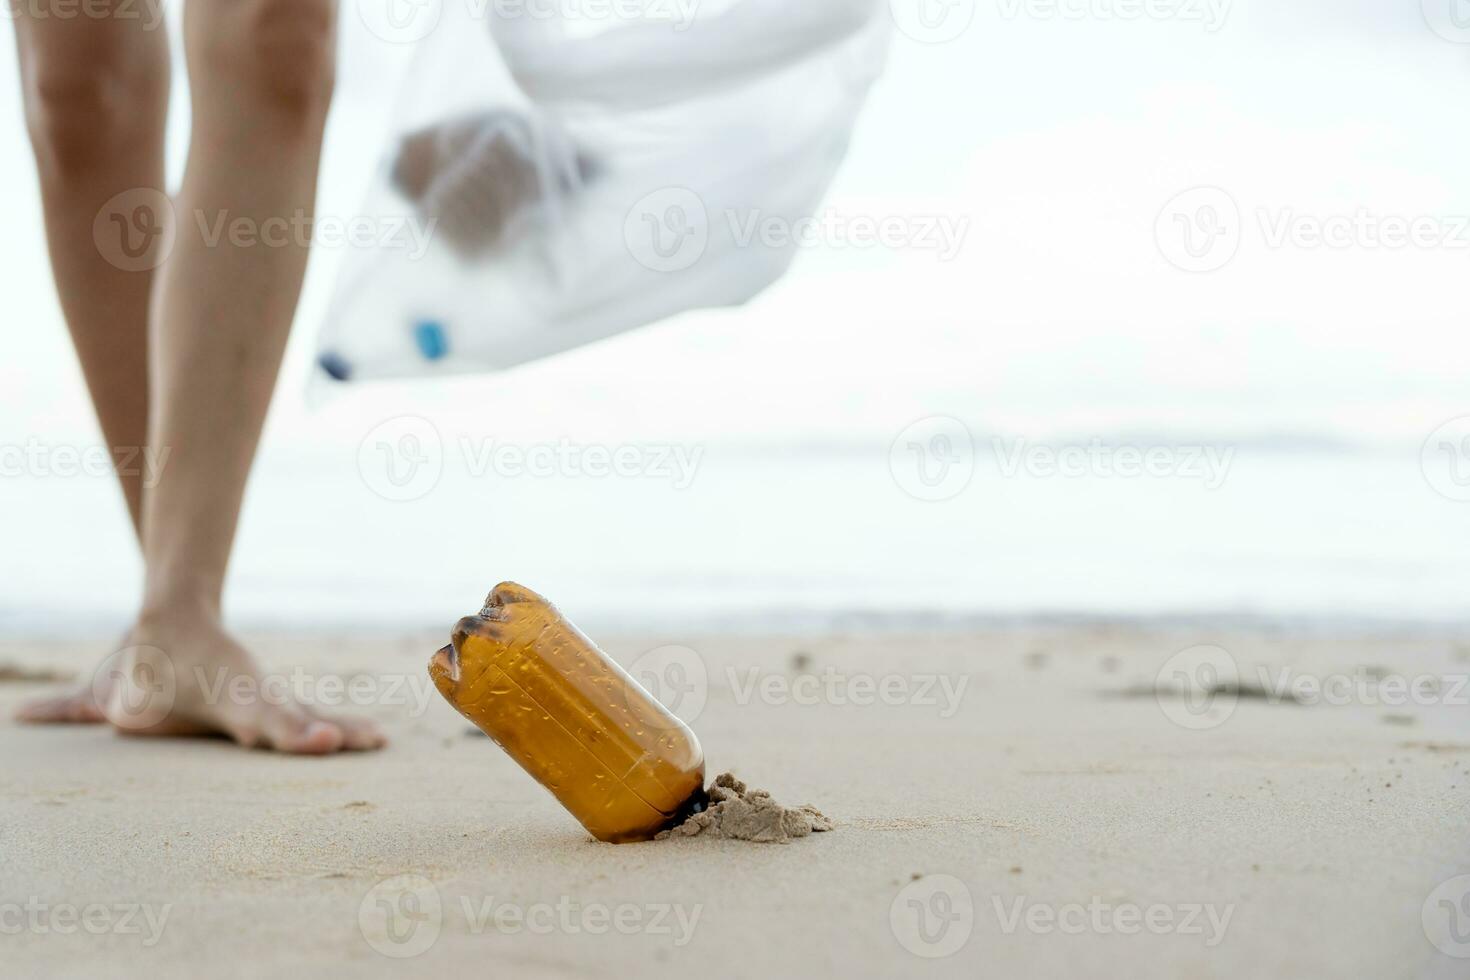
358, 734
77, 708
294, 732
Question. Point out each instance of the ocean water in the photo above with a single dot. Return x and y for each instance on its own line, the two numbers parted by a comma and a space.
791, 538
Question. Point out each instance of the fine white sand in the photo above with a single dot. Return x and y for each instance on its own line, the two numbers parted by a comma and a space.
1059, 782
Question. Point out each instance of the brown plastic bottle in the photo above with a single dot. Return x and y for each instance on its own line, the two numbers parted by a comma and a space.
571, 717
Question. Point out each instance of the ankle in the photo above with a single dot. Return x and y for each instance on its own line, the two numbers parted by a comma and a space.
171, 607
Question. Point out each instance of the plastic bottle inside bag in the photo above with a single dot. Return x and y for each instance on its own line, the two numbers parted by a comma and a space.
488, 177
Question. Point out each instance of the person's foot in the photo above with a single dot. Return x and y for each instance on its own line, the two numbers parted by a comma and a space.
185, 676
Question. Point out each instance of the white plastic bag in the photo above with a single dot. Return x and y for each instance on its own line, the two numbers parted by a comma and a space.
578, 168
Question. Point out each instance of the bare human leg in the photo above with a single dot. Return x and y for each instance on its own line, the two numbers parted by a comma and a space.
261, 75
261, 78
96, 97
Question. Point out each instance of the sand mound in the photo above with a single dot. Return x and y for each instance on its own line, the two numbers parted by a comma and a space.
738, 813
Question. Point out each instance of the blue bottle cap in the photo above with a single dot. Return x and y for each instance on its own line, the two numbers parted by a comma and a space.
432, 340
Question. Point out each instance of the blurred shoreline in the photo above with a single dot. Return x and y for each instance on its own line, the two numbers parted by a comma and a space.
806, 541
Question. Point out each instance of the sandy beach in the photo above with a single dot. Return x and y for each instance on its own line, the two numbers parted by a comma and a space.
1010, 802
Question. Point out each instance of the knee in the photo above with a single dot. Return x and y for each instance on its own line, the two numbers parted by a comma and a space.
281, 53
84, 113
